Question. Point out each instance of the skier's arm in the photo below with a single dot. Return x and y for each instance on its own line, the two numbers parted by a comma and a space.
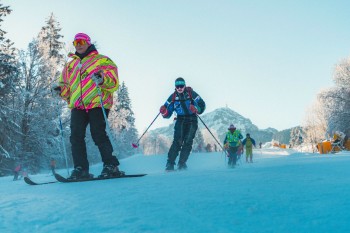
168, 108
198, 102
63, 84
226, 144
225, 140
109, 73
253, 141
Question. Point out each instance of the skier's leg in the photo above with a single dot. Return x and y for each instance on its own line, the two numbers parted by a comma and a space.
100, 137
246, 155
177, 143
231, 153
189, 134
79, 122
234, 155
15, 177
250, 154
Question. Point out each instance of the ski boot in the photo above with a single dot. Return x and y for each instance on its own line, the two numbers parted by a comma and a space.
79, 174
169, 167
182, 166
110, 170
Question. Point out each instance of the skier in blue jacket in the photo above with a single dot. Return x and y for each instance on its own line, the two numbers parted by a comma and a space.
186, 103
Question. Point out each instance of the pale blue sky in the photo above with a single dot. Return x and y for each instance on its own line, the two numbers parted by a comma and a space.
266, 60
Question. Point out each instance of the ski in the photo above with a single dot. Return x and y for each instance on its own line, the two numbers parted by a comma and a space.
65, 180
30, 182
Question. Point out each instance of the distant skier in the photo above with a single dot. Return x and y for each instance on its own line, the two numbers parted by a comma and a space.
16, 172
82, 75
187, 104
232, 143
53, 165
208, 147
248, 142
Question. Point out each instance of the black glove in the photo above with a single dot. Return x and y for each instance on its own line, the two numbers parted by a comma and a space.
97, 78
57, 91
164, 111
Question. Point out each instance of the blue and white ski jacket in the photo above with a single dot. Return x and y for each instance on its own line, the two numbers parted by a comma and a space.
180, 103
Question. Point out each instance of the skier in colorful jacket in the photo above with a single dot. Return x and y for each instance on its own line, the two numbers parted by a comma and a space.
78, 85
186, 103
248, 142
232, 142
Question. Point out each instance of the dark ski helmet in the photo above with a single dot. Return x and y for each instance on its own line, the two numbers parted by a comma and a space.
180, 81
231, 127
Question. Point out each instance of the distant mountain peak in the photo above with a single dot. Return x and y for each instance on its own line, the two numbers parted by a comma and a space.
222, 118
218, 122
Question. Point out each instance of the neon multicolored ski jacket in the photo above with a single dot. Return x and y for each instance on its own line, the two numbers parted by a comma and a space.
77, 87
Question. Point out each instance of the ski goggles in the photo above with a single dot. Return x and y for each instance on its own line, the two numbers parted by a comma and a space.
179, 82
79, 42
179, 86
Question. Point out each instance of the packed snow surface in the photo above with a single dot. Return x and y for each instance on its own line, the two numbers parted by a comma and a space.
282, 191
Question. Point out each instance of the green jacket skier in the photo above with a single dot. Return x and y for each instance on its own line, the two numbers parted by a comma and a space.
231, 143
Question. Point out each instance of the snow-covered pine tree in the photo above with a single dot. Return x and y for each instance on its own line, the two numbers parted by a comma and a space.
9, 68
8, 82
122, 122
51, 47
8, 64
50, 34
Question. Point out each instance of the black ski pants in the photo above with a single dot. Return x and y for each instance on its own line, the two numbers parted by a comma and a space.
184, 133
232, 153
80, 118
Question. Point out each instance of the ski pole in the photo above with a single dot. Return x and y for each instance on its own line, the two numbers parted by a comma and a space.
135, 145
210, 132
61, 131
63, 144
105, 116
225, 155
